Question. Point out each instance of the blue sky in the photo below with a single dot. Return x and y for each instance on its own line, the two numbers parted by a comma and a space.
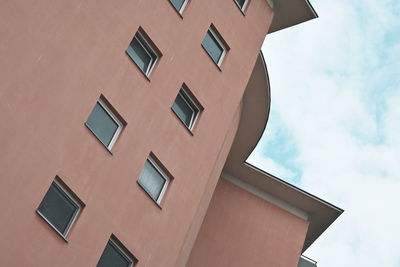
334, 127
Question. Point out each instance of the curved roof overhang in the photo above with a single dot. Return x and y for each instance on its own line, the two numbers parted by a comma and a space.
290, 12
254, 116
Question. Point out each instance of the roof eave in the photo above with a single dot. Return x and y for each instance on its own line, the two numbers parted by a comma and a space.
288, 13
254, 116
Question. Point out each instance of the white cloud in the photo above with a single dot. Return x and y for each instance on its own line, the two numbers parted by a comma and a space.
268, 164
335, 88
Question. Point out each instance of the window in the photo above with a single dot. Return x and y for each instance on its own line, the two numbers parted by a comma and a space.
115, 255
179, 5
185, 108
142, 53
242, 4
59, 208
153, 180
214, 46
104, 124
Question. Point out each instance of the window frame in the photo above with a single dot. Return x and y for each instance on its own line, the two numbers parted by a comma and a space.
215, 36
74, 200
180, 11
246, 3
148, 48
162, 173
114, 117
191, 104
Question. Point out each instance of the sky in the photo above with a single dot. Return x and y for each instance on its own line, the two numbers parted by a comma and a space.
334, 125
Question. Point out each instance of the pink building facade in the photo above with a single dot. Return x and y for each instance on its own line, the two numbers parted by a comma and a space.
136, 117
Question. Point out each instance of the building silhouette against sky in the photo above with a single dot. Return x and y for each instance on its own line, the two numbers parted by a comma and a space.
125, 130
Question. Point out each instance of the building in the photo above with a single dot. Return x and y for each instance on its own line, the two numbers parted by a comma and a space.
125, 129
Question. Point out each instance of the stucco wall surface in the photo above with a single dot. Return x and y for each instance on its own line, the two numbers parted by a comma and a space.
241, 229
57, 58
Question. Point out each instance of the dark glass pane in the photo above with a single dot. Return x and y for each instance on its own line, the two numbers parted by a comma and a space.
212, 47
57, 208
112, 257
151, 180
102, 125
139, 55
306, 263
183, 110
241, 3
177, 4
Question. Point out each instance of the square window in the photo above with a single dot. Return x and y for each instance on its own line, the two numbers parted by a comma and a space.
185, 108
104, 124
153, 180
242, 4
59, 208
214, 46
179, 5
142, 53
115, 255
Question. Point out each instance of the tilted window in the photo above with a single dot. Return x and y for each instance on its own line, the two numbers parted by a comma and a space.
115, 255
153, 180
185, 108
179, 5
104, 124
242, 4
142, 53
59, 208
214, 46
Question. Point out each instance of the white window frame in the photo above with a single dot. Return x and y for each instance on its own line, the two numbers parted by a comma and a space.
146, 46
183, 6
163, 175
192, 105
122, 251
75, 215
246, 2
180, 11
221, 58
115, 119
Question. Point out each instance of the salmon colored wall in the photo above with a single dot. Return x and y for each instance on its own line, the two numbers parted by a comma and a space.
57, 58
241, 229
209, 190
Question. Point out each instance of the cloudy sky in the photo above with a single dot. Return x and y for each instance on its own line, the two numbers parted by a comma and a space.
334, 127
